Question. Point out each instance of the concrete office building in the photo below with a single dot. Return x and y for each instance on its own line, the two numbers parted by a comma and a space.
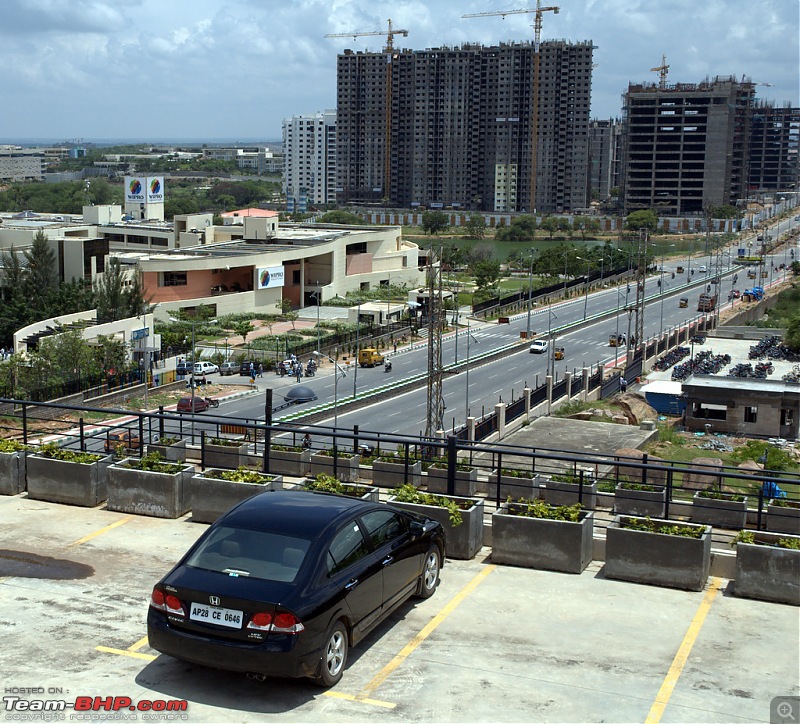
459, 130
774, 143
686, 145
309, 151
605, 156
19, 164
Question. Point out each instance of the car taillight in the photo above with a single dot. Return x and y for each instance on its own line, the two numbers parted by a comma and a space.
173, 604
281, 623
261, 621
157, 599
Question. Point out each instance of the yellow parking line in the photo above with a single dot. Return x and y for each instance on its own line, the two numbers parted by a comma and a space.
408, 649
141, 642
123, 652
674, 673
360, 700
101, 531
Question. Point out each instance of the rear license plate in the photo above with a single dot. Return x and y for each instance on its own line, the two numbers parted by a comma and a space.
220, 616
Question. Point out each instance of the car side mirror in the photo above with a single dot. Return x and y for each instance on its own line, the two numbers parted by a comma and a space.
416, 528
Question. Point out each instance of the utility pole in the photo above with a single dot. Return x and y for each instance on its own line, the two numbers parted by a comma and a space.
435, 407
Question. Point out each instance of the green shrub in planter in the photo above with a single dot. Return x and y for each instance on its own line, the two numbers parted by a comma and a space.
328, 484
767, 567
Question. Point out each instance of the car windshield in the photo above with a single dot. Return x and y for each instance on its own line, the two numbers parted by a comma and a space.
252, 553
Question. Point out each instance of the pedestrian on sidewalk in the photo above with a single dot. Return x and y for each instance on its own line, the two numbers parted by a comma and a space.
260, 369
623, 385
299, 371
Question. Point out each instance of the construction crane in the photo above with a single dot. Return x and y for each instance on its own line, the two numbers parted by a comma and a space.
662, 72
537, 35
389, 51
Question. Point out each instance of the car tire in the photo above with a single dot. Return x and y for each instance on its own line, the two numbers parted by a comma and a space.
431, 567
334, 656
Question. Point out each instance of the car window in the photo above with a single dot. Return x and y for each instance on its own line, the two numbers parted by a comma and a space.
347, 547
252, 553
383, 526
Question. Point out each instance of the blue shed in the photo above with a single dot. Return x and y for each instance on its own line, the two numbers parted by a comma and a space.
664, 396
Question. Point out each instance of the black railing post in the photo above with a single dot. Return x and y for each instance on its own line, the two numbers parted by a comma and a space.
160, 421
499, 475
668, 497
580, 487
760, 508
141, 434
82, 435
335, 454
355, 439
644, 469
202, 450
24, 423
451, 465
407, 452
267, 447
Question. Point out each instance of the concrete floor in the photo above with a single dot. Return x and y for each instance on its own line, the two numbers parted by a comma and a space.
495, 643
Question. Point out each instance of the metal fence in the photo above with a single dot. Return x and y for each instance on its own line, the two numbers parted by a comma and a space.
723, 496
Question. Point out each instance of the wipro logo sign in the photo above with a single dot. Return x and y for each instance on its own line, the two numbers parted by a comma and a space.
155, 186
134, 190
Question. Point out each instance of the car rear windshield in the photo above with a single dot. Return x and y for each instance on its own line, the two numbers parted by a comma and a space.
252, 553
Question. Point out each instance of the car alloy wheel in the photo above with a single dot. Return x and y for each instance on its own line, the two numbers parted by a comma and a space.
430, 573
334, 656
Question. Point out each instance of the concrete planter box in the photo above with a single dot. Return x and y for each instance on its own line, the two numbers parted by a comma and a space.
466, 482
346, 467
784, 518
364, 492
290, 462
174, 453
387, 474
557, 492
12, 472
719, 512
657, 559
513, 487
766, 572
640, 502
461, 541
551, 545
146, 492
225, 456
63, 481
211, 496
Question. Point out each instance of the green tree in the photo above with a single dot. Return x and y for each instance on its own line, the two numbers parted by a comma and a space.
109, 289
340, 217
135, 301
242, 327
725, 212
523, 228
476, 226
550, 225
13, 274
288, 312
486, 273
644, 219
435, 222
792, 338
41, 277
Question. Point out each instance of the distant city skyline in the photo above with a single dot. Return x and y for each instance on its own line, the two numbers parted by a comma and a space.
231, 70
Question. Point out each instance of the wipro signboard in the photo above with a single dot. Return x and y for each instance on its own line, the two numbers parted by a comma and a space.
268, 277
144, 189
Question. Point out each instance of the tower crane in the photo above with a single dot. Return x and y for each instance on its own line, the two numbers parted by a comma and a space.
537, 34
662, 72
389, 51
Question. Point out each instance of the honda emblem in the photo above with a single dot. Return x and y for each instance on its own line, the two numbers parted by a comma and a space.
213, 600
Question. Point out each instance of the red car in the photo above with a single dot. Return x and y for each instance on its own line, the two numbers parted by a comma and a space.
185, 404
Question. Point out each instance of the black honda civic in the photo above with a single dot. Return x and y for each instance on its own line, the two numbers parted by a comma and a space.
285, 582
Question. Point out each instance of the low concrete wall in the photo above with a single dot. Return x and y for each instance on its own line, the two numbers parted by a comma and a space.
62, 481
144, 492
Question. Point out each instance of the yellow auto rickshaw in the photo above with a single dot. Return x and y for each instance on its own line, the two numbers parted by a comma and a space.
679, 269
558, 353
613, 340
684, 302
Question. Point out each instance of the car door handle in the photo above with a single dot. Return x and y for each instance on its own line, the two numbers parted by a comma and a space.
351, 584
386, 561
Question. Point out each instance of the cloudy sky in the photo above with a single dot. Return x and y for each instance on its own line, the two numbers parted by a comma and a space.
233, 69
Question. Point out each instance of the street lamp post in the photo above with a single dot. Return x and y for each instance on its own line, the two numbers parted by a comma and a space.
336, 372
319, 301
530, 293
585, 286
191, 376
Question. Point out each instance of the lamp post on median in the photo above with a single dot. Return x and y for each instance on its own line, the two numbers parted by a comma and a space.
585, 286
336, 372
191, 377
530, 292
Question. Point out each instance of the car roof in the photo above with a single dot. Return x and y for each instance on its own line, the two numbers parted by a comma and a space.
299, 512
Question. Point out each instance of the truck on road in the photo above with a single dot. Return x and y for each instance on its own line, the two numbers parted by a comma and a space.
707, 303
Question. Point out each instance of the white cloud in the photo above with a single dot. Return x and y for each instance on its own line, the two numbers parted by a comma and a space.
236, 68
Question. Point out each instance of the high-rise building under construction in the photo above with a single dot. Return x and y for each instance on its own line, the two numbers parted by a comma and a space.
455, 127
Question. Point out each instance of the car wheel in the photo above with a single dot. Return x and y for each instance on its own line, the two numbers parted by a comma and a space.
430, 572
334, 656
